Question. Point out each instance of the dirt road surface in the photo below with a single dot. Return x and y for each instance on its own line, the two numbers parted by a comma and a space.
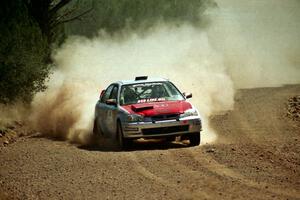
257, 156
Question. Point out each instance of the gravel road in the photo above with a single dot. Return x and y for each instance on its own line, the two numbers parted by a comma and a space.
257, 156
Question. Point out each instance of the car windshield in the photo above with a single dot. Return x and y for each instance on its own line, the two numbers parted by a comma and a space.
149, 92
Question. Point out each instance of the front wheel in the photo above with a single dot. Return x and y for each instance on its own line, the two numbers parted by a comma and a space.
194, 139
123, 143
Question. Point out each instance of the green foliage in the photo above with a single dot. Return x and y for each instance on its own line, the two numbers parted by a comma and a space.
23, 54
115, 15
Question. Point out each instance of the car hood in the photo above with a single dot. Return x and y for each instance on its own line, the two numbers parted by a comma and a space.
158, 108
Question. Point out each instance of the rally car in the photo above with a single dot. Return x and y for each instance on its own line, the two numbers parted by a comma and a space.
146, 108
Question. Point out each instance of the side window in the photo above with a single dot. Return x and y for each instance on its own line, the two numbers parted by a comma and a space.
107, 94
114, 93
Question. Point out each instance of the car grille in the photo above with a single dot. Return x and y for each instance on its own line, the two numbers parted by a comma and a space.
165, 117
161, 130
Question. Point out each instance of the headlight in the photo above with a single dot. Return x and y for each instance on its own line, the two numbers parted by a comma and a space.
190, 112
135, 118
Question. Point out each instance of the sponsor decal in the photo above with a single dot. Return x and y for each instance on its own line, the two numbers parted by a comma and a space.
150, 100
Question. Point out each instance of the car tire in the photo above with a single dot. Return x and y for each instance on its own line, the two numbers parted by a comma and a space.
95, 128
195, 139
122, 142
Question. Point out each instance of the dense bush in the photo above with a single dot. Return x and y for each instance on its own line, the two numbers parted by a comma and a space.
23, 54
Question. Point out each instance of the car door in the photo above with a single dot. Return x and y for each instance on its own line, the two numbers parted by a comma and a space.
102, 110
112, 111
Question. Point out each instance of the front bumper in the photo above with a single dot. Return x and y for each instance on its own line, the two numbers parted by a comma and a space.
162, 128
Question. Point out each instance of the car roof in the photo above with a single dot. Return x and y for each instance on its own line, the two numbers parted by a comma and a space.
128, 82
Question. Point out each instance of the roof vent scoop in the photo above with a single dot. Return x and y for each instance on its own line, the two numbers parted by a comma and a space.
139, 78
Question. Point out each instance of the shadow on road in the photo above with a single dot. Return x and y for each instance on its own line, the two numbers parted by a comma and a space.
107, 145
134, 146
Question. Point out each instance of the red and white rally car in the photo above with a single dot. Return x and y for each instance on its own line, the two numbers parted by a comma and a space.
146, 108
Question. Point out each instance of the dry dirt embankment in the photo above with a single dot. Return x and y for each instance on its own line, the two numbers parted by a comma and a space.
257, 156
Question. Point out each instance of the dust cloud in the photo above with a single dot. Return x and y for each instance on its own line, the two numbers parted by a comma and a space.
259, 41
245, 46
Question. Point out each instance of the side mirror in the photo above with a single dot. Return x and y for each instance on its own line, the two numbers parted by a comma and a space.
112, 102
188, 95
101, 94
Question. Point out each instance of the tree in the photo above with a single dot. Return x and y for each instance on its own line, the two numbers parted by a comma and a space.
51, 14
28, 28
23, 53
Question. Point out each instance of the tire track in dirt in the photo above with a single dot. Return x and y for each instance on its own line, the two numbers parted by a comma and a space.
258, 118
218, 177
208, 171
220, 171
211, 164
145, 171
148, 174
